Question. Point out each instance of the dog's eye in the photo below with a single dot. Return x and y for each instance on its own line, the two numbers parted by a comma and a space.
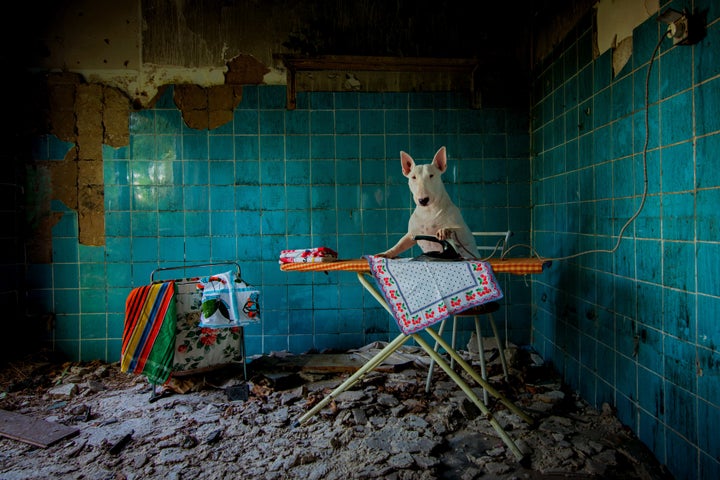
414, 177
431, 175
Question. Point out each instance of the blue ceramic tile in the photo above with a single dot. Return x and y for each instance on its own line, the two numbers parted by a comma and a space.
171, 223
67, 326
223, 249
141, 122
64, 250
67, 301
197, 249
93, 350
322, 122
679, 312
372, 121
707, 171
707, 107
678, 217
677, 255
707, 60
708, 331
707, 278
247, 147
297, 147
681, 413
195, 172
322, 147
675, 71
93, 300
168, 122
272, 147
195, 146
706, 213
396, 121
421, 121
92, 275
271, 122
171, 249
145, 249
347, 122
222, 223
247, 173
676, 125
117, 249
246, 122
347, 146
197, 224
221, 147
247, 197
372, 146
273, 96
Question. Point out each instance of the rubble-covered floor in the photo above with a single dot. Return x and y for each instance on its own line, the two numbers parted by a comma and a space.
385, 427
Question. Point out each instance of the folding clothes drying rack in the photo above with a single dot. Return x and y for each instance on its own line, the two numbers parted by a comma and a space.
517, 266
228, 346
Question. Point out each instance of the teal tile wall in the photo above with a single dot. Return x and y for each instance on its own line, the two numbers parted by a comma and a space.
637, 328
325, 174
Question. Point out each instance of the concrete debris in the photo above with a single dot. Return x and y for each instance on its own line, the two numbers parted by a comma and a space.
384, 427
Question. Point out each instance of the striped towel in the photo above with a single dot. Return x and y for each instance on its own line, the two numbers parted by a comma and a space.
148, 339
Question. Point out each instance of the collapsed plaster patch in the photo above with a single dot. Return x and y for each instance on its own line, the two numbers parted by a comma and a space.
207, 107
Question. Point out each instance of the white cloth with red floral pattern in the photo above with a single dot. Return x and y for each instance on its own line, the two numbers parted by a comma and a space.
308, 255
422, 293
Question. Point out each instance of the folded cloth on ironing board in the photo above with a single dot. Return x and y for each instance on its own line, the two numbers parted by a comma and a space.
421, 294
308, 255
227, 301
148, 340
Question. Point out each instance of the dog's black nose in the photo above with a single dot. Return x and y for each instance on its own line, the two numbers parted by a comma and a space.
424, 201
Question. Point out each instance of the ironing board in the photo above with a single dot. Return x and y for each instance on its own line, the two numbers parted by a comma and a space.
517, 266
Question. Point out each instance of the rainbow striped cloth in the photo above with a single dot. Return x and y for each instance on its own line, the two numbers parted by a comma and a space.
148, 341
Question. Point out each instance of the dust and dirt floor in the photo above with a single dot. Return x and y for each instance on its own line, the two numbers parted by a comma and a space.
217, 425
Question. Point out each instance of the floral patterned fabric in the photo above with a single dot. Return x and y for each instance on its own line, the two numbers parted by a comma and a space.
421, 293
198, 348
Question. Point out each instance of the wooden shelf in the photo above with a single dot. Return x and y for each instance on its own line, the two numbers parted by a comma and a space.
296, 64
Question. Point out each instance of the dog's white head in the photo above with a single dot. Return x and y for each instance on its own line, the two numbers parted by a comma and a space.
424, 180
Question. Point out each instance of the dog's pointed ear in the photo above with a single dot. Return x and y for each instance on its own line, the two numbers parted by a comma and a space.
407, 163
440, 160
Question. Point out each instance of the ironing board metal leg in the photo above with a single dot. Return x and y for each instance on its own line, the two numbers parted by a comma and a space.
481, 355
503, 399
503, 360
471, 395
380, 357
431, 368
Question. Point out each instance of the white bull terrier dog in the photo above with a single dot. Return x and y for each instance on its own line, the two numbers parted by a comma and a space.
435, 214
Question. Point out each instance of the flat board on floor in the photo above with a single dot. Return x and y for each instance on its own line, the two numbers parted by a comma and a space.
38, 432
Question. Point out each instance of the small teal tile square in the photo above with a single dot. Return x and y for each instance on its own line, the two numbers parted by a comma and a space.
707, 98
679, 313
92, 275
144, 224
168, 122
675, 68
197, 249
708, 281
119, 275
117, 249
93, 301
347, 172
169, 198
709, 329
297, 147
247, 173
676, 125
145, 249
323, 197
247, 147
322, 172
196, 198
222, 197
272, 122
297, 122
298, 222
272, 97
678, 216
247, 197
676, 176
171, 223
648, 261
117, 197
389, 100
195, 172
197, 224
346, 100
221, 147
373, 172
322, 146
677, 256
273, 198
195, 146
223, 248
222, 223
67, 301
322, 100
706, 161
144, 197
67, 326
347, 122
707, 60
372, 146
66, 275
602, 71
55, 149
322, 122
272, 147
274, 222
169, 147
171, 249
372, 121
681, 412
348, 197
93, 350
396, 121
706, 215
421, 121
141, 122
65, 250
245, 122
298, 197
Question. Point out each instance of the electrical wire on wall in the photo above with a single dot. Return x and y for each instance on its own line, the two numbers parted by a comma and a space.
645, 178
